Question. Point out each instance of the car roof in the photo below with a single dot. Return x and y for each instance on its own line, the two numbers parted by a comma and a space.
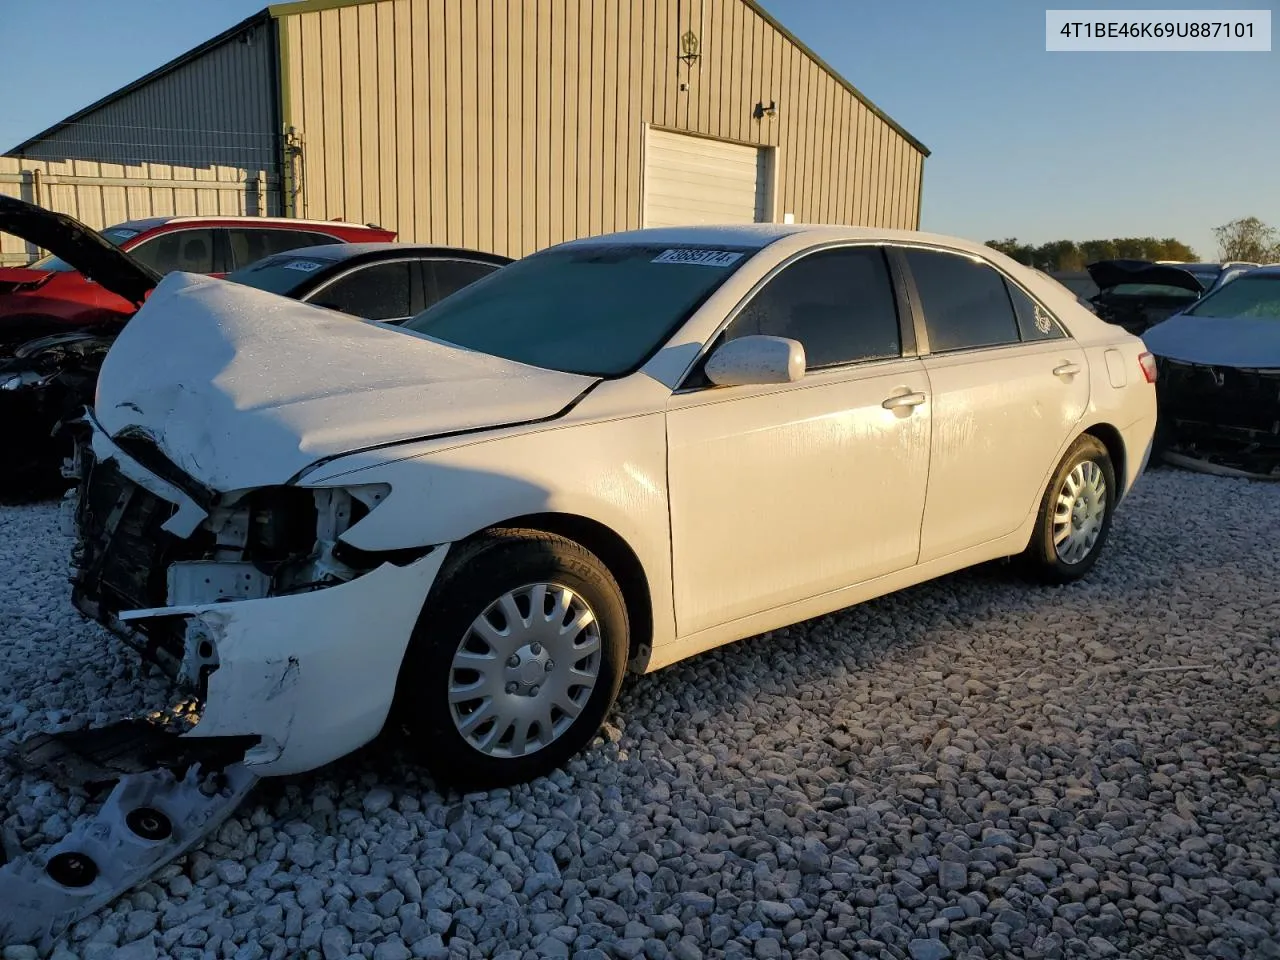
337, 252
150, 223
760, 235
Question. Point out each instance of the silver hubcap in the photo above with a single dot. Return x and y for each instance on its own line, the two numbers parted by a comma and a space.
524, 670
1079, 512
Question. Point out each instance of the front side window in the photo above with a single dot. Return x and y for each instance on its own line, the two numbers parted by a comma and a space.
600, 309
376, 292
1034, 321
838, 304
189, 250
965, 303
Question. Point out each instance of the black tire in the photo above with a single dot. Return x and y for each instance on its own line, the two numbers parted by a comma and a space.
1041, 559
478, 574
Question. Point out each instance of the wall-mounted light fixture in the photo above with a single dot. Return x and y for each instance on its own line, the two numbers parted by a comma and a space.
762, 111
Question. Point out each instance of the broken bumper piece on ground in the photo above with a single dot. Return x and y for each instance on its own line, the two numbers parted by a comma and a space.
169, 794
310, 671
1221, 420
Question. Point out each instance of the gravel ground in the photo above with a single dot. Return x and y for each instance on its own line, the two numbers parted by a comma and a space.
971, 768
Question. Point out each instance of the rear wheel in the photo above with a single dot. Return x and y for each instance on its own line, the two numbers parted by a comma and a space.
1075, 514
516, 660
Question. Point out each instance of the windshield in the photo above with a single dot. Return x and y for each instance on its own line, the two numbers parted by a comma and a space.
600, 310
1250, 295
281, 275
113, 235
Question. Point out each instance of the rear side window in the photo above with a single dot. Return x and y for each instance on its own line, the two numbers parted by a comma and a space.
189, 250
838, 304
249, 244
376, 292
449, 276
965, 302
1034, 321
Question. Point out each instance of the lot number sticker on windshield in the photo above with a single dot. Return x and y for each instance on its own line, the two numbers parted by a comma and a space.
703, 258
306, 266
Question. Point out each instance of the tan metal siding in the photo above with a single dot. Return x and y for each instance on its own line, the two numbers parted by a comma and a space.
525, 118
102, 194
216, 110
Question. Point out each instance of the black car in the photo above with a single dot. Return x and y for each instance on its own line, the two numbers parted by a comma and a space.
50, 380
389, 282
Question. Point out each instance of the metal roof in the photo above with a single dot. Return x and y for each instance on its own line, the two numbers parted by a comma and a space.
277, 10
262, 16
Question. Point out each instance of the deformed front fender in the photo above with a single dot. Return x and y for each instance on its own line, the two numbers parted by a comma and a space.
612, 472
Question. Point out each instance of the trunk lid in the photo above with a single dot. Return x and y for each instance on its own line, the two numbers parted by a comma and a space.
240, 388
1109, 274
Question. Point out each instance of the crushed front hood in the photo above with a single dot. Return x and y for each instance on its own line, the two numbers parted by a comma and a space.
82, 247
1248, 342
240, 388
1108, 274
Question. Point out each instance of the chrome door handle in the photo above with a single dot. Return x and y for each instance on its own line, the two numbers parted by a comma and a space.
1068, 369
903, 400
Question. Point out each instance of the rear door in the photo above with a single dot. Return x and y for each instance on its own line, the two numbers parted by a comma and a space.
1009, 387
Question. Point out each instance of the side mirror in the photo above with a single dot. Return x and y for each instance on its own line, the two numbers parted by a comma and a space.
756, 360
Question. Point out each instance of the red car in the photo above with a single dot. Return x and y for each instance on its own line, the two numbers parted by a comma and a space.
49, 295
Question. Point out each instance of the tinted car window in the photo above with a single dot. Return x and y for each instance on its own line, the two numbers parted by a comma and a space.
838, 304
253, 243
376, 292
1034, 321
965, 302
450, 276
189, 250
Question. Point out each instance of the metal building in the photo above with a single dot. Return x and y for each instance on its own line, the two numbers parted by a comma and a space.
509, 125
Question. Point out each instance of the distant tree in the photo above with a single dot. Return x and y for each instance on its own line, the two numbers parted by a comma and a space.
1059, 255
1022, 252
1098, 250
1069, 256
1171, 249
1248, 239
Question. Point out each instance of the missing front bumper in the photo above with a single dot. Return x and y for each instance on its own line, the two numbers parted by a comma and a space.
1221, 420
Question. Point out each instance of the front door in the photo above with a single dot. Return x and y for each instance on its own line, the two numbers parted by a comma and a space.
784, 492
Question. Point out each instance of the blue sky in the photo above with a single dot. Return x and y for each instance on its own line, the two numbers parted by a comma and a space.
1025, 143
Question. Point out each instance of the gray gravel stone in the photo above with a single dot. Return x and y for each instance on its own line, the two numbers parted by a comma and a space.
977, 764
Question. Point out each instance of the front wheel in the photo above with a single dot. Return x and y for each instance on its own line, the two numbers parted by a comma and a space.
1075, 515
516, 660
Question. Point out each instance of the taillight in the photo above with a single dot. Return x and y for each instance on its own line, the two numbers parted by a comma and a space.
1148, 364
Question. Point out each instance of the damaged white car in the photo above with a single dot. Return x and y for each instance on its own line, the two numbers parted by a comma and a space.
615, 453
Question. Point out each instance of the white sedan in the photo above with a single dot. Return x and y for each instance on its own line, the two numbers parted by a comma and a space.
613, 454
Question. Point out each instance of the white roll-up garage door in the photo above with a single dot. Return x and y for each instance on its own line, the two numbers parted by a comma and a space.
691, 180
